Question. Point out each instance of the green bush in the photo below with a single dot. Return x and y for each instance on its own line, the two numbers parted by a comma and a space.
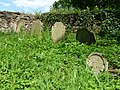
108, 20
111, 28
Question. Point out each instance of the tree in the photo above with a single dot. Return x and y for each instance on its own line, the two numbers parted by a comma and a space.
62, 4
83, 4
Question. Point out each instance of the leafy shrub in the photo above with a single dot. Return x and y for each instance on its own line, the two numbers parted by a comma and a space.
111, 27
85, 18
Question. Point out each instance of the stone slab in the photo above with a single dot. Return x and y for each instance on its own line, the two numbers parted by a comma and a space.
85, 36
37, 27
58, 31
97, 63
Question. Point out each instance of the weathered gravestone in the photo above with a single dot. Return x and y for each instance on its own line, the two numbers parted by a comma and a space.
85, 36
37, 27
58, 31
97, 63
20, 25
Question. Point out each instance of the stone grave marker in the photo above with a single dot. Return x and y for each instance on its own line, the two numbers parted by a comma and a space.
37, 27
97, 63
58, 31
85, 36
13, 26
20, 25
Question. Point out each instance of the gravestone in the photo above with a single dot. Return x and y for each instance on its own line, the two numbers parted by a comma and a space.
13, 26
85, 36
58, 31
37, 27
20, 25
97, 63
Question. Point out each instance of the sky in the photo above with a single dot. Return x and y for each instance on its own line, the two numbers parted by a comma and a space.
27, 6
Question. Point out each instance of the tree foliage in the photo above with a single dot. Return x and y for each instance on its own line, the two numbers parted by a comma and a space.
83, 4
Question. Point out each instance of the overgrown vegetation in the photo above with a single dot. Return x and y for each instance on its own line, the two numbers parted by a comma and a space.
84, 4
107, 20
31, 63
86, 13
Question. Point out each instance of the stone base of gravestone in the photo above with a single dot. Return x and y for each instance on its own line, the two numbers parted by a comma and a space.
37, 27
58, 31
97, 63
85, 36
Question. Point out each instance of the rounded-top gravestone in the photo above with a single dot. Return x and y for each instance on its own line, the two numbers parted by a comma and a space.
20, 25
85, 36
37, 27
58, 31
97, 63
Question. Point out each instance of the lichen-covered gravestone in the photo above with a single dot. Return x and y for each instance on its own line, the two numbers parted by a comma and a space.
85, 36
58, 31
97, 63
20, 25
37, 27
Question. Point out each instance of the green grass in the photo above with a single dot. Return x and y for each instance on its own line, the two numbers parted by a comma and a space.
31, 63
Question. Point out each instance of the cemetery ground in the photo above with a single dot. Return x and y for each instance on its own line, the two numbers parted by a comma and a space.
31, 63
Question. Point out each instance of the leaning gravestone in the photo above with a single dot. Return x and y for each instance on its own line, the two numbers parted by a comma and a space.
85, 36
58, 31
20, 25
37, 27
97, 63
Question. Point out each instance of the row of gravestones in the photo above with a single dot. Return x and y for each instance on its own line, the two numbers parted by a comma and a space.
83, 35
95, 61
59, 30
15, 22
36, 26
